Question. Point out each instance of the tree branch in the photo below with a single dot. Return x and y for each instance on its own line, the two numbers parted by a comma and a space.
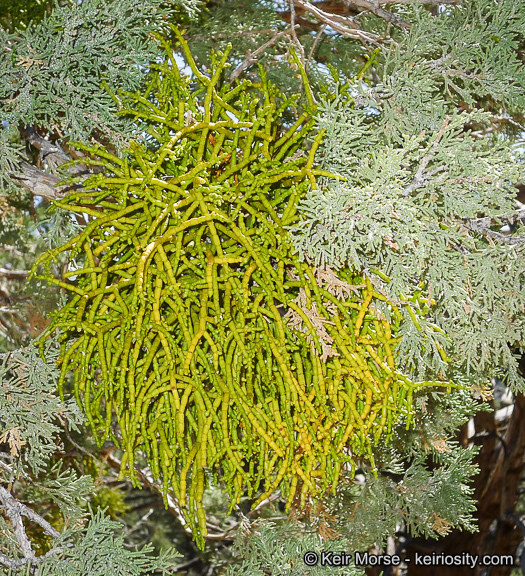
374, 6
14, 510
420, 179
39, 183
488, 221
314, 45
15, 564
10, 502
251, 56
346, 26
481, 226
13, 274
147, 479
51, 153
340, 16
294, 36
330, 13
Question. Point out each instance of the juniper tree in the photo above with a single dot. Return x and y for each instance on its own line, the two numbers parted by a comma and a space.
419, 105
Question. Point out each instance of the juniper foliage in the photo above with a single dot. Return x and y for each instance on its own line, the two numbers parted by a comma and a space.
33, 484
429, 187
281, 549
31, 415
98, 550
64, 63
10, 157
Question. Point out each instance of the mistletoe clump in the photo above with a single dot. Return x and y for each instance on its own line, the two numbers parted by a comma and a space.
195, 327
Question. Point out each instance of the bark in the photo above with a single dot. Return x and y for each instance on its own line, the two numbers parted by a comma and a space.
39, 183
36, 180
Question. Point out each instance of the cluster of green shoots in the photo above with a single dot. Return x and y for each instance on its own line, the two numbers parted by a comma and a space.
195, 335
